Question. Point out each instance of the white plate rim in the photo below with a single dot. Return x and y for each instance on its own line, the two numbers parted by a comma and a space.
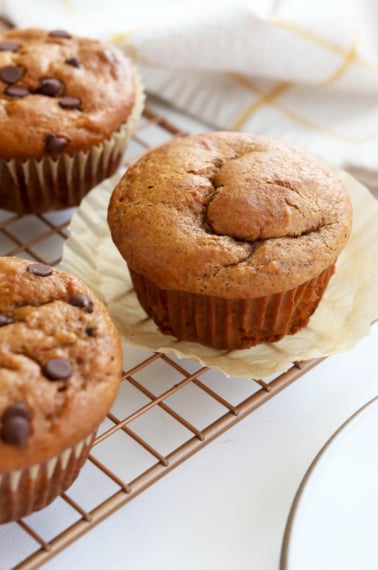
286, 542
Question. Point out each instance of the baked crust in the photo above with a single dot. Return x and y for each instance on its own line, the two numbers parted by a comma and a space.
103, 80
46, 324
229, 215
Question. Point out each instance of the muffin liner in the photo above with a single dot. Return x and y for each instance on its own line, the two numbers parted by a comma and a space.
36, 186
23, 491
343, 317
230, 324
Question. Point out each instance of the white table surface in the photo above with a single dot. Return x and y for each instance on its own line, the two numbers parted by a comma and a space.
227, 506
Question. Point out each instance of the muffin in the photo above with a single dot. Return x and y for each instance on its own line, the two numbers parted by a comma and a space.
68, 106
60, 368
230, 238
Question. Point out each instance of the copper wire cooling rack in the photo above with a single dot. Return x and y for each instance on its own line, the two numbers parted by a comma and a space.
151, 425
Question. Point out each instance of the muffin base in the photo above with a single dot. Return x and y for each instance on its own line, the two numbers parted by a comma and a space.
35, 186
230, 324
23, 491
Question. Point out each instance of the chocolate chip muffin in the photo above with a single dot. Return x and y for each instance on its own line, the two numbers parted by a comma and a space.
68, 106
60, 367
230, 238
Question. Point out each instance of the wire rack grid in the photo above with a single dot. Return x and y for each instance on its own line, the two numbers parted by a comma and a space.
153, 425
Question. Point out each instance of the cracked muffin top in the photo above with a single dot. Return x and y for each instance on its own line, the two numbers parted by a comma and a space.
229, 214
60, 362
58, 89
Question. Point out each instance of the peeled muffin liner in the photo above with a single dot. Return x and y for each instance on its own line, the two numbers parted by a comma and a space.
23, 491
230, 324
343, 317
36, 186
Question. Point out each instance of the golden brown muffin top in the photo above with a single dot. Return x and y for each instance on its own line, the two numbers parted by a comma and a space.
229, 214
76, 90
60, 362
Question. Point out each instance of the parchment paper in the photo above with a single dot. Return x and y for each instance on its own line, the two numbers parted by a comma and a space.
344, 316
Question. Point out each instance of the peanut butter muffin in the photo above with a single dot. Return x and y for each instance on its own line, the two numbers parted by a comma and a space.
230, 238
68, 106
60, 367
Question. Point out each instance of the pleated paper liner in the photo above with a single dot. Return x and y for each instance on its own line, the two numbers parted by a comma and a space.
343, 317
230, 324
23, 491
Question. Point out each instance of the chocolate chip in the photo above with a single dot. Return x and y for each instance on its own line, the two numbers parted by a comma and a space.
16, 424
4, 320
51, 87
11, 74
39, 269
74, 61
57, 369
81, 301
55, 145
70, 103
17, 409
9, 46
17, 91
59, 34
91, 331
16, 430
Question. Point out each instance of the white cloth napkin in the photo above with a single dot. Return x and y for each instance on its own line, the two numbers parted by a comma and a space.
307, 72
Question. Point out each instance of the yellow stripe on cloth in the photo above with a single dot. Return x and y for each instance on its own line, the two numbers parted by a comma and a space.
322, 41
68, 4
123, 41
304, 122
350, 57
293, 116
264, 99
